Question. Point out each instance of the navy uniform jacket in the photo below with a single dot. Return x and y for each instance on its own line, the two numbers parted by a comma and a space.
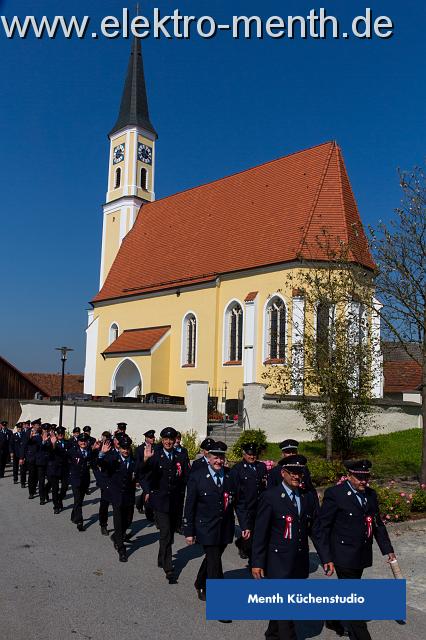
139, 458
57, 464
199, 463
275, 479
17, 444
183, 451
119, 483
5, 437
31, 446
42, 453
80, 466
277, 555
209, 510
250, 483
164, 480
343, 527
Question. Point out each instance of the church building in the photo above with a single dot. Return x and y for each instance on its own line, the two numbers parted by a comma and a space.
192, 286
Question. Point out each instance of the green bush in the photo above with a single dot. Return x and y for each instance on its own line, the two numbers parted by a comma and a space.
251, 435
190, 441
418, 500
394, 507
324, 472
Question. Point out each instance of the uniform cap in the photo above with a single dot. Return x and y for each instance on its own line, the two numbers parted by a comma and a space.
4, 423
168, 432
46, 426
76, 430
150, 433
36, 421
218, 447
358, 466
124, 442
122, 425
60, 431
87, 429
293, 463
83, 437
251, 448
208, 442
289, 444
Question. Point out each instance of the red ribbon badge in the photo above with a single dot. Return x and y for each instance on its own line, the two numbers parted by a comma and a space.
369, 523
225, 500
179, 469
288, 527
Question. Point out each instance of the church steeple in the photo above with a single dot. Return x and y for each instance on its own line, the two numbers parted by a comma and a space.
131, 171
134, 102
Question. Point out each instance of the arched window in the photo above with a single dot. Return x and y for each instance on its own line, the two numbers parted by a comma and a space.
144, 179
323, 337
113, 333
275, 323
190, 340
234, 333
117, 178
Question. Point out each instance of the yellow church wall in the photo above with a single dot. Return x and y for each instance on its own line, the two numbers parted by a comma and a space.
141, 193
162, 310
113, 194
160, 364
112, 232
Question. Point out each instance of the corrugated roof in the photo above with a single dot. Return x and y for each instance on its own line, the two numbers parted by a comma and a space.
133, 340
266, 215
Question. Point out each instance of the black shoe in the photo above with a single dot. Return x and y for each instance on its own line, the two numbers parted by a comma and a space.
122, 556
336, 626
80, 527
114, 542
139, 509
104, 531
225, 621
31, 496
23, 486
15, 481
159, 564
128, 537
201, 593
171, 577
242, 555
56, 511
43, 502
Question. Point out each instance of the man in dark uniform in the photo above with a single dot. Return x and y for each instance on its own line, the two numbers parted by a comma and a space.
121, 429
163, 480
119, 489
284, 522
31, 446
201, 463
81, 459
58, 468
5, 437
250, 478
349, 519
139, 459
16, 448
209, 514
181, 449
88, 430
42, 458
289, 448
100, 476
74, 439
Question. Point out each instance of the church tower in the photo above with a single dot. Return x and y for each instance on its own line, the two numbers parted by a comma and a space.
131, 168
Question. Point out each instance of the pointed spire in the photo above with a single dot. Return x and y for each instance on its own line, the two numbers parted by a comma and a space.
134, 103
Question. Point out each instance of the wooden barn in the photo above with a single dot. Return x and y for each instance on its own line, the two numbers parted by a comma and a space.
15, 386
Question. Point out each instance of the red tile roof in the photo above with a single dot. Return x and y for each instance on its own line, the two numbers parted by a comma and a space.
402, 376
133, 340
266, 215
73, 383
251, 296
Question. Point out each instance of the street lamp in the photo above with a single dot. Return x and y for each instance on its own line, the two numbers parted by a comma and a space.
64, 351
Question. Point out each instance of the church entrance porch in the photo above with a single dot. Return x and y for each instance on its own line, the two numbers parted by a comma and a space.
127, 380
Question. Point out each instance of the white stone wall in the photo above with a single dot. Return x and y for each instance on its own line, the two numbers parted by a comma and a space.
139, 417
281, 420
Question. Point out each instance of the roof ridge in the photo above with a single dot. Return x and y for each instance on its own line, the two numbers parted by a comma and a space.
162, 326
237, 173
317, 194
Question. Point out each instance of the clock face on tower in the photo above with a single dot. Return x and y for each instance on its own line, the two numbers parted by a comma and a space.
144, 153
118, 154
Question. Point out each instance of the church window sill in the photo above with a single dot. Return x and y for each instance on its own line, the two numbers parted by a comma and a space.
232, 363
188, 366
274, 361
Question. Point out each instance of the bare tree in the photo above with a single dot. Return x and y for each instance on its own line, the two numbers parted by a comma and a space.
333, 366
400, 252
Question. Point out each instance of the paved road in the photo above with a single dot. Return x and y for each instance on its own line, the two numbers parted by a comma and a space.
56, 583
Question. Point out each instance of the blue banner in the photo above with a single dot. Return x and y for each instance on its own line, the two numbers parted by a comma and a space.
306, 599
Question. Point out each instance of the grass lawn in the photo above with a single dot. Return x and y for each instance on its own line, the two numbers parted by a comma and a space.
393, 455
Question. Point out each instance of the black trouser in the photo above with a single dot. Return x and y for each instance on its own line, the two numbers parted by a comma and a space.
77, 510
357, 628
4, 456
64, 482
58, 492
281, 630
211, 566
32, 478
166, 523
122, 518
19, 471
43, 484
142, 505
103, 511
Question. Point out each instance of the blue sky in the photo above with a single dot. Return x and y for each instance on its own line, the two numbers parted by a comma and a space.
219, 106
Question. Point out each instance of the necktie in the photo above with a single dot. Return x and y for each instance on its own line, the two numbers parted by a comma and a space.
363, 499
218, 481
294, 501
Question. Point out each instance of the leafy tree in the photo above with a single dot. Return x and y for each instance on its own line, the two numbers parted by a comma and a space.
400, 253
